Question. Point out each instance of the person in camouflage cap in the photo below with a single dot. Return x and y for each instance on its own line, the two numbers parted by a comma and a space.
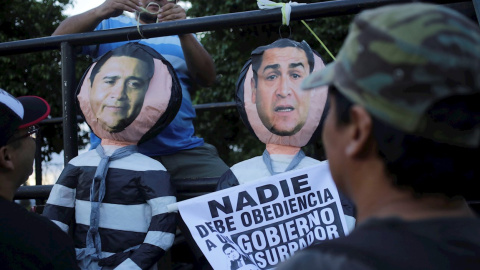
403, 139
397, 73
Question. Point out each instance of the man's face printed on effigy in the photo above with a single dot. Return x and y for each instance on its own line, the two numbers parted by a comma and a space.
118, 92
282, 106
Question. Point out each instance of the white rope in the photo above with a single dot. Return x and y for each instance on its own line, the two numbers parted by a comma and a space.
172, 208
286, 8
153, 13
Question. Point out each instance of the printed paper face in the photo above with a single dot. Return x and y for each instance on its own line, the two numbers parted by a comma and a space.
278, 110
122, 96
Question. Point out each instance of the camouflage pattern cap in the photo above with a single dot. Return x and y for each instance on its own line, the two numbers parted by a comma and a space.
399, 60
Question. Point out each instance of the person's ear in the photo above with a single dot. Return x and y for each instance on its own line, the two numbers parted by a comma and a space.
254, 90
6, 158
360, 132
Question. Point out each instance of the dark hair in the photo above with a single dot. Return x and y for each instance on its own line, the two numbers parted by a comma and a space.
130, 50
257, 54
342, 105
422, 164
227, 246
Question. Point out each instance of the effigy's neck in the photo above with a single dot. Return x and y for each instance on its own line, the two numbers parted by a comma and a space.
109, 146
277, 149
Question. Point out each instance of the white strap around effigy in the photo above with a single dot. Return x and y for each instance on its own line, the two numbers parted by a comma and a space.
286, 8
172, 208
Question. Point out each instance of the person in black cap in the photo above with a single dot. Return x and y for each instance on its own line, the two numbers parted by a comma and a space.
27, 240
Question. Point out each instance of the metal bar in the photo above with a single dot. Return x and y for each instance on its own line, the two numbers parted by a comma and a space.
33, 192
207, 23
38, 162
214, 106
198, 108
57, 120
38, 159
70, 140
187, 188
195, 185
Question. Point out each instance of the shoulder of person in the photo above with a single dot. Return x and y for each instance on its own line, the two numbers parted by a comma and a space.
308, 161
314, 259
115, 22
250, 170
227, 180
247, 164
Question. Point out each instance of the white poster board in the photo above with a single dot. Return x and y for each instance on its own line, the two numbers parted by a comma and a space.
266, 221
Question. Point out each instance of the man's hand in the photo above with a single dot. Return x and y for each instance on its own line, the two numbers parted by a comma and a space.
171, 12
88, 20
114, 8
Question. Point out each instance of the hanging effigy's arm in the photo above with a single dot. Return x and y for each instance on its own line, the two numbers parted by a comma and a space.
60, 206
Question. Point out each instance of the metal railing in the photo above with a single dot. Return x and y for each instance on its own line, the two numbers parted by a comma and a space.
58, 120
68, 43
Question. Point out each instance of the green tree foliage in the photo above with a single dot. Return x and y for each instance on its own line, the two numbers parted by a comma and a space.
36, 73
230, 49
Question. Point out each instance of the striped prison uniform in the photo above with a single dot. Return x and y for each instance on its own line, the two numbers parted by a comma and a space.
133, 213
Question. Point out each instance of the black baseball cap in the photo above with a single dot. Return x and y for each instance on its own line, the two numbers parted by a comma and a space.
21, 112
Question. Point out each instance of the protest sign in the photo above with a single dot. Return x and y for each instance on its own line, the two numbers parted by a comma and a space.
263, 223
